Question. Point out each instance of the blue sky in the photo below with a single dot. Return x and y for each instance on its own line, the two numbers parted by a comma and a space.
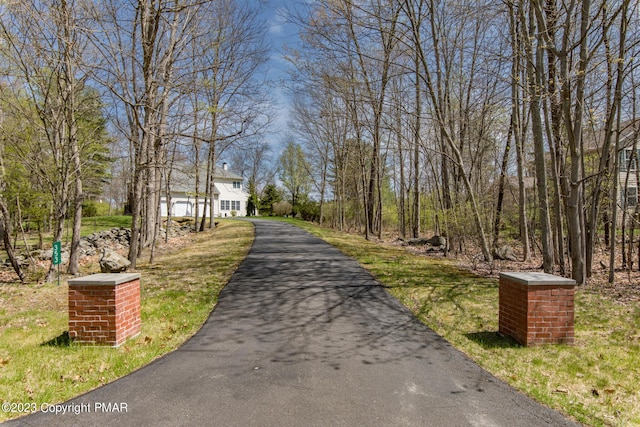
280, 33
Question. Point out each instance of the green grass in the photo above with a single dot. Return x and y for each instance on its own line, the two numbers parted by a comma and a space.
89, 225
595, 381
37, 362
99, 223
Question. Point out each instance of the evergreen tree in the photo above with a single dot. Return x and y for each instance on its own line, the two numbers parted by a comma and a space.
252, 203
271, 195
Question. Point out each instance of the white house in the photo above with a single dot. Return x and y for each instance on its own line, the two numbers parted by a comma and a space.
628, 177
628, 161
229, 195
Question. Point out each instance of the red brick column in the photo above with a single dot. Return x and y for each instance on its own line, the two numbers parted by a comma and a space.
104, 309
537, 308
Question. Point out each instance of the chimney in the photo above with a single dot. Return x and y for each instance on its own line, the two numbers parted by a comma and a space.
224, 167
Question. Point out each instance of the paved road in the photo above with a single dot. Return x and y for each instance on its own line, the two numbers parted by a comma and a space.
303, 336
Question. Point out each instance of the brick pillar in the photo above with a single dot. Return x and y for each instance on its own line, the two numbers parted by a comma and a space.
104, 309
537, 308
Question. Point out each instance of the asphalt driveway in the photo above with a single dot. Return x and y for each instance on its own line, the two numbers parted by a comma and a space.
303, 336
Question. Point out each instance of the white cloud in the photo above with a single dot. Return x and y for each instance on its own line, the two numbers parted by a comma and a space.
278, 21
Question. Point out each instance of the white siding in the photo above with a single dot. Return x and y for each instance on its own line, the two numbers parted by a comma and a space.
229, 196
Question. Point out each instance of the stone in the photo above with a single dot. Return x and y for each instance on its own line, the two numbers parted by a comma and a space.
113, 262
417, 242
504, 253
438, 241
46, 255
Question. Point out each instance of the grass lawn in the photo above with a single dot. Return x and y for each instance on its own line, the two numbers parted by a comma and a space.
596, 381
37, 363
99, 223
89, 225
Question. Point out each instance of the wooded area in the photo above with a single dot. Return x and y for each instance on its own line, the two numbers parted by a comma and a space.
478, 120
118, 91
485, 122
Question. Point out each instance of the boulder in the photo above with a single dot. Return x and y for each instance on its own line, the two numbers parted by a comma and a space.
505, 253
417, 242
47, 254
113, 262
438, 241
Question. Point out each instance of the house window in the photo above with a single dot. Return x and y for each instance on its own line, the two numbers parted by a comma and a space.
629, 196
235, 205
237, 184
629, 162
224, 205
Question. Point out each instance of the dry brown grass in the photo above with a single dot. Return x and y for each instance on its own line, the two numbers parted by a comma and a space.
39, 365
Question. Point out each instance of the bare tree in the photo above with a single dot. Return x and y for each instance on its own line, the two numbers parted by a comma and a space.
5, 223
313, 122
418, 12
45, 47
138, 51
517, 125
231, 52
534, 73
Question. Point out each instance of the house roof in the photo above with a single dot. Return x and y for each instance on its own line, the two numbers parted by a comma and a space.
183, 180
594, 140
529, 182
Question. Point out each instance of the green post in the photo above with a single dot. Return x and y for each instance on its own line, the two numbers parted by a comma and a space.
56, 257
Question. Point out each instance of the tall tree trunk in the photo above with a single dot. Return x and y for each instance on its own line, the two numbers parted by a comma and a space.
554, 135
136, 202
77, 214
517, 74
605, 160
534, 80
208, 194
574, 122
70, 89
5, 230
501, 184
415, 213
402, 205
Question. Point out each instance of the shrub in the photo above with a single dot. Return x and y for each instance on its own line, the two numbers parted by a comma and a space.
89, 209
309, 210
282, 209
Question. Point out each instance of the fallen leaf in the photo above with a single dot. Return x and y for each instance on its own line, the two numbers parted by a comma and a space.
561, 390
595, 393
609, 391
